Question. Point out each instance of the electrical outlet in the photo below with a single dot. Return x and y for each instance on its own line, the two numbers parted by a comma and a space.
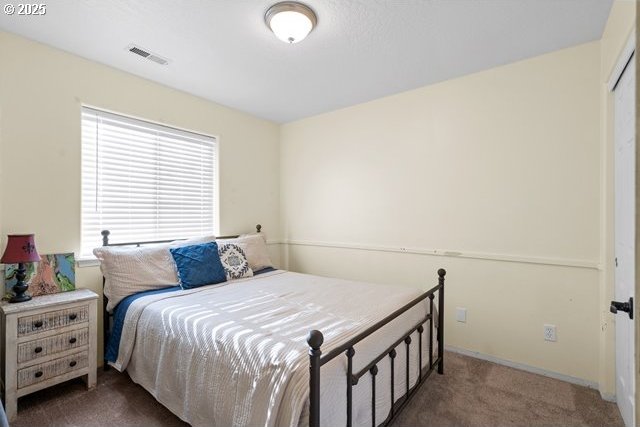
550, 333
461, 314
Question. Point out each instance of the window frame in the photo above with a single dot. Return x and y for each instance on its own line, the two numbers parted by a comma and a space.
84, 258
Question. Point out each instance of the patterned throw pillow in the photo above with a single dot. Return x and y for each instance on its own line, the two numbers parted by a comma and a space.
234, 261
255, 249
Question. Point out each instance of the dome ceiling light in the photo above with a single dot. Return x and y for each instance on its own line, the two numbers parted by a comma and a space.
290, 21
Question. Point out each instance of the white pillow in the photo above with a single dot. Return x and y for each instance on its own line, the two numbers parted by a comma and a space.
129, 270
234, 260
255, 248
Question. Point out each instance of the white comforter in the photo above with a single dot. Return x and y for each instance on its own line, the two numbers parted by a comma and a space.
235, 354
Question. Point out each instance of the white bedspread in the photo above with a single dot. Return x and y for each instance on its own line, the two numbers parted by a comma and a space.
235, 354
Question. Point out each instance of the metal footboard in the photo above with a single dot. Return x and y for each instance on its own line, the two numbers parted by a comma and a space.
317, 359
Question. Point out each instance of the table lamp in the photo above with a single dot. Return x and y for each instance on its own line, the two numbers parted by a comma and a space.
21, 248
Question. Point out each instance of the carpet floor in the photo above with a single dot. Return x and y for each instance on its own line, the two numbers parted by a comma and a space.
471, 393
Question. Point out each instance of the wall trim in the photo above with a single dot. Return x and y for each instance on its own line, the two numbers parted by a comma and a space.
87, 262
609, 397
623, 60
527, 368
561, 262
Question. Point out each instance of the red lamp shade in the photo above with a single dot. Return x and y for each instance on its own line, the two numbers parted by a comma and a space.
20, 248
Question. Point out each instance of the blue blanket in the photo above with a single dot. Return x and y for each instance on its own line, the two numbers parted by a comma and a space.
119, 314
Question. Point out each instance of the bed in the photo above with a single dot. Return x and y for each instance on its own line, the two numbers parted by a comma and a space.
280, 348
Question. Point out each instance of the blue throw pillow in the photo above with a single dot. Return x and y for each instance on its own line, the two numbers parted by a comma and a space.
198, 265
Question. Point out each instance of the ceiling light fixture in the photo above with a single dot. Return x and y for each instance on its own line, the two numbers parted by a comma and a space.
290, 21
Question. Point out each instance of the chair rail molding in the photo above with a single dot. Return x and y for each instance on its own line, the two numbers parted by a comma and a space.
523, 259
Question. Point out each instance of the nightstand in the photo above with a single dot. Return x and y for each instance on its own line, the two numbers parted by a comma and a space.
48, 340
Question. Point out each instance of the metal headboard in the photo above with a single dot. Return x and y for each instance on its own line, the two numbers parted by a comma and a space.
106, 316
105, 239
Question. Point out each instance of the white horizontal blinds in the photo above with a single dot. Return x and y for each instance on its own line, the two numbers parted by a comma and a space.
144, 181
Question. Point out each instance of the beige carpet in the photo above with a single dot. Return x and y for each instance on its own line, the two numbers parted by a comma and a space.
474, 392
471, 393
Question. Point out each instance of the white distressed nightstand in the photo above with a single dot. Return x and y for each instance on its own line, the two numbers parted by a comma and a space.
48, 340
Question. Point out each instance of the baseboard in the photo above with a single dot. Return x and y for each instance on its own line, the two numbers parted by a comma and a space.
608, 397
527, 368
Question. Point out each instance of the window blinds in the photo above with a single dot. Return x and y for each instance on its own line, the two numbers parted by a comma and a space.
143, 181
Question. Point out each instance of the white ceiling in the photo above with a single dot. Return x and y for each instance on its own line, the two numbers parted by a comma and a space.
361, 49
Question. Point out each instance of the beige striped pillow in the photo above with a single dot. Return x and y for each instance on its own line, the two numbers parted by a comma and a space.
129, 270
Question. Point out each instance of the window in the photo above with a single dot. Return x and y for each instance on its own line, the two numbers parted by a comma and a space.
143, 181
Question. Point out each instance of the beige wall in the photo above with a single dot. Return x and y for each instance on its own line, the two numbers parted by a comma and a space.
617, 31
502, 167
41, 91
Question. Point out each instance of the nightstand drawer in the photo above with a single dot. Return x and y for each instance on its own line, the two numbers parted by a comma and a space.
44, 371
28, 325
36, 349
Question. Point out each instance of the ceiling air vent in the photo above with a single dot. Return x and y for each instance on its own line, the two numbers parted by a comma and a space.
139, 51
157, 59
147, 55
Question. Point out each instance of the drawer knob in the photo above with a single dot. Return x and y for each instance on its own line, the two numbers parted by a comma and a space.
38, 349
38, 324
73, 363
73, 316
38, 374
72, 340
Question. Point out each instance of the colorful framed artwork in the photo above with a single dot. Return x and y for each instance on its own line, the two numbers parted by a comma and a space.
54, 273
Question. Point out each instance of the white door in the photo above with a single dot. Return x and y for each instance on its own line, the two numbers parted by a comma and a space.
625, 196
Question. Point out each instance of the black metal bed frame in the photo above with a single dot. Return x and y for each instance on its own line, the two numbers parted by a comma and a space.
315, 340
316, 359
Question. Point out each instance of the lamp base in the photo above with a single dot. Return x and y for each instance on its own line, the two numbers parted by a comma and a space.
20, 298
20, 288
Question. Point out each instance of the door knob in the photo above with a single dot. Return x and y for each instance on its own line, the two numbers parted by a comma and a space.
627, 307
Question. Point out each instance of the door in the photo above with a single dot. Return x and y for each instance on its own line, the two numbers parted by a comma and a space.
625, 217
